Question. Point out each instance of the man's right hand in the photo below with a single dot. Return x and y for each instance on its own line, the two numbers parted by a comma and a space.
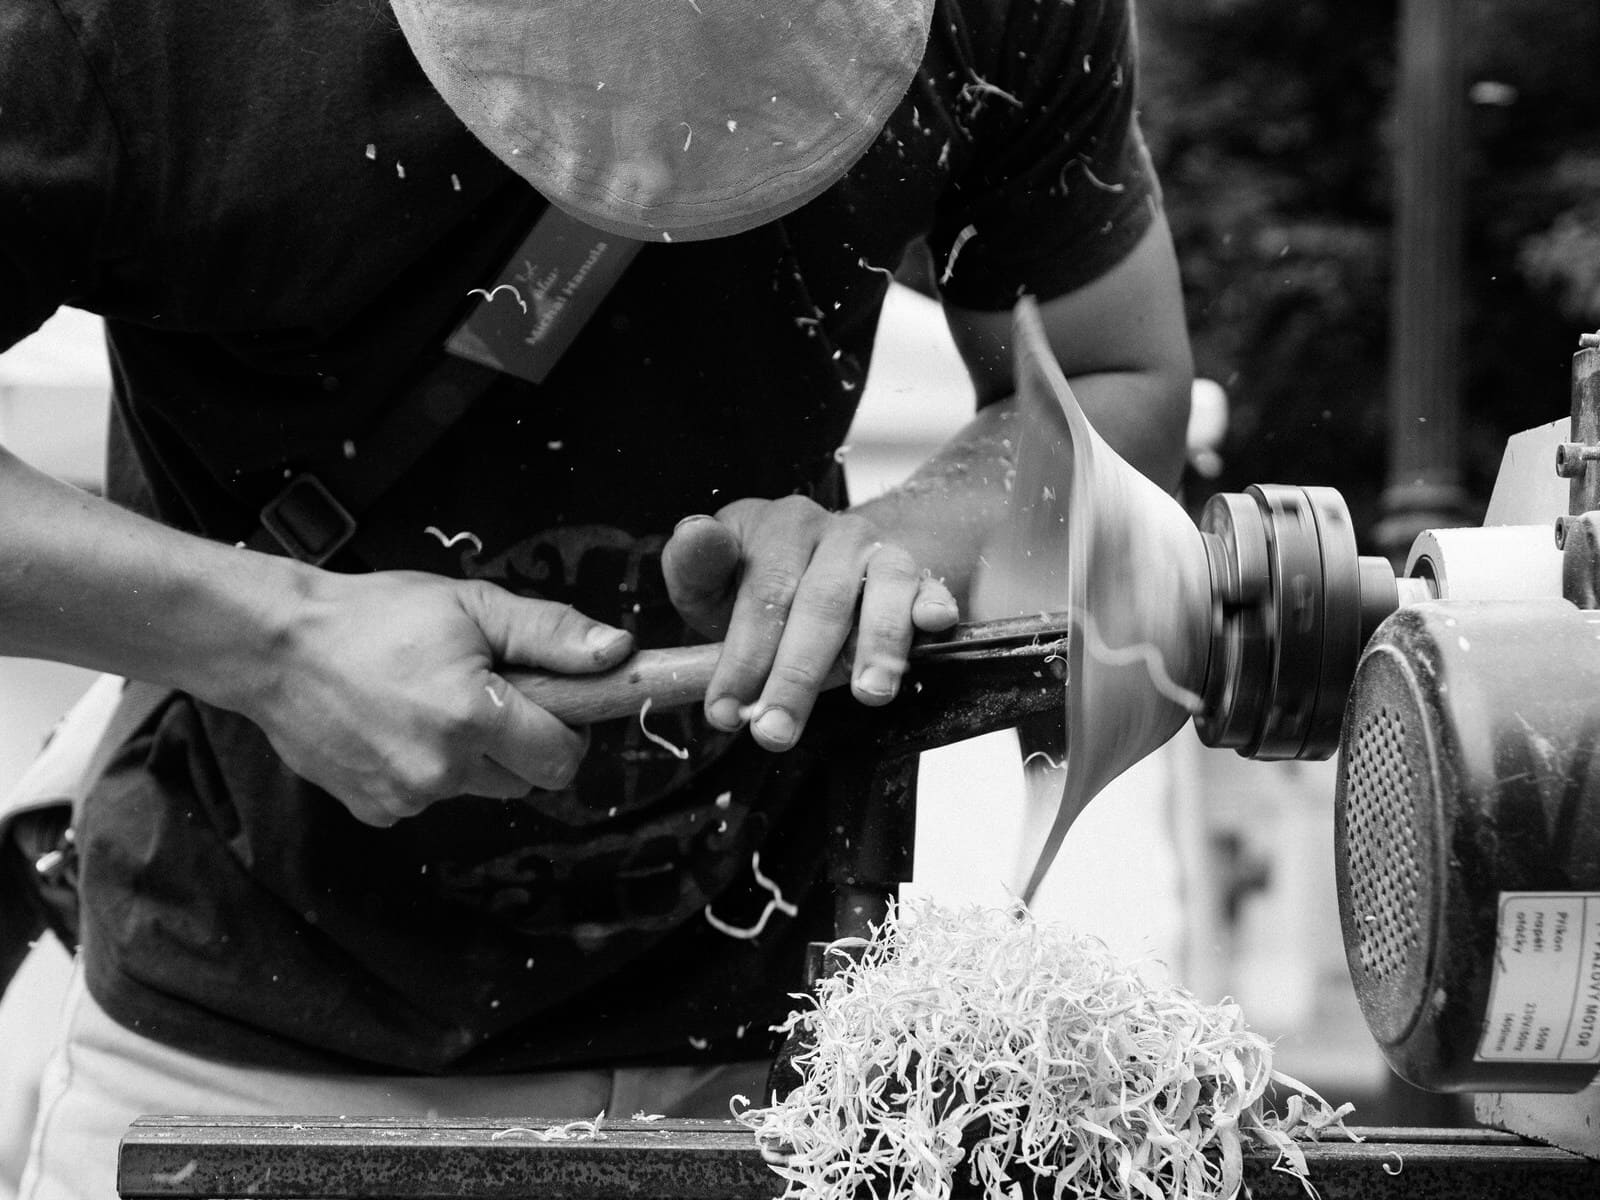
385, 690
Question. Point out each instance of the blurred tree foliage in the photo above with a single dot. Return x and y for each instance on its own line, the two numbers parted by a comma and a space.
1271, 124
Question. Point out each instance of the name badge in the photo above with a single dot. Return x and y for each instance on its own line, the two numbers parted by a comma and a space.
543, 297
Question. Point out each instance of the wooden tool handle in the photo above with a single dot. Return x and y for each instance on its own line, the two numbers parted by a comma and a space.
667, 678
681, 675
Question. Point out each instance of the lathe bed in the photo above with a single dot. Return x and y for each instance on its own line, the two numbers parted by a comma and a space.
369, 1159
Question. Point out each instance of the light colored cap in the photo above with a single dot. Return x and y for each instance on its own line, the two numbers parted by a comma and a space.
672, 119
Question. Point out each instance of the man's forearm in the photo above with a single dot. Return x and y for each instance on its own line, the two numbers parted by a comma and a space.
954, 501
86, 582
1143, 416
945, 510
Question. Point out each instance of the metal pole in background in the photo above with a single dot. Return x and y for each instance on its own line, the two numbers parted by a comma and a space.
1424, 484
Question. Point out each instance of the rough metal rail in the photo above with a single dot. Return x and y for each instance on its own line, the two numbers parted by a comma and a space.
369, 1159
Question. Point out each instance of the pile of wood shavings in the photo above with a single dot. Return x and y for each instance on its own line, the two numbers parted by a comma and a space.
983, 1049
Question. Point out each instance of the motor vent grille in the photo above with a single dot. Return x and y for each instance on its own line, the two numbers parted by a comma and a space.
1386, 875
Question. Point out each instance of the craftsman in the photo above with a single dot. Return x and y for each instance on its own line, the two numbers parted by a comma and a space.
344, 866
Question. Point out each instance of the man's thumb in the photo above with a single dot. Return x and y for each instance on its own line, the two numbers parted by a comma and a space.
543, 634
700, 564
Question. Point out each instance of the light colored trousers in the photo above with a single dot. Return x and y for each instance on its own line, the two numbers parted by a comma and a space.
101, 1077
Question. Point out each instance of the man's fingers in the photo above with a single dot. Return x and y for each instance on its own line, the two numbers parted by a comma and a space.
370, 812
884, 639
488, 778
531, 744
935, 608
505, 747
700, 564
761, 613
820, 619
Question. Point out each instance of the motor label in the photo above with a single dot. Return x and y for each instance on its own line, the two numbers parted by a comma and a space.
1544, 1001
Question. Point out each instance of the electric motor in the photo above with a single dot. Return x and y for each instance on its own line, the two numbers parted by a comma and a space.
1467, 836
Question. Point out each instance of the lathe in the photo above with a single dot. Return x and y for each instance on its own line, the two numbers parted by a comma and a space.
1462, 694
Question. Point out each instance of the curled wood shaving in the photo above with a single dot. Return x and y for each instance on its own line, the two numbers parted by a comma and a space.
776, 904
447, 540
489, 294
676, 751
173, 1178
554, 1133
1096, 180
955, 249
1030, 1060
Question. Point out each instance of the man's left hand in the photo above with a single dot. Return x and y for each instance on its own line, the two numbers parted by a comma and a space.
781, 582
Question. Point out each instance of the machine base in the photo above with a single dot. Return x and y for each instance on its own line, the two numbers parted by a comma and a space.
363, 1159
1571, 1122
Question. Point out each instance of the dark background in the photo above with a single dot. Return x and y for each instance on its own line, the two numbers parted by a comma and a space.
1272, 125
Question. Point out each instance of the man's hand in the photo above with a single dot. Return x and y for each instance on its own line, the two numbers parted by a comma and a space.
386, 692
781, 582
383, 689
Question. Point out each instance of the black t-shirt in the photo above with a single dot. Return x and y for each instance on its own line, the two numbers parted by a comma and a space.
281, 223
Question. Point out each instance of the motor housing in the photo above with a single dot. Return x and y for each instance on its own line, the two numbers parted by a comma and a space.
1467, 835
